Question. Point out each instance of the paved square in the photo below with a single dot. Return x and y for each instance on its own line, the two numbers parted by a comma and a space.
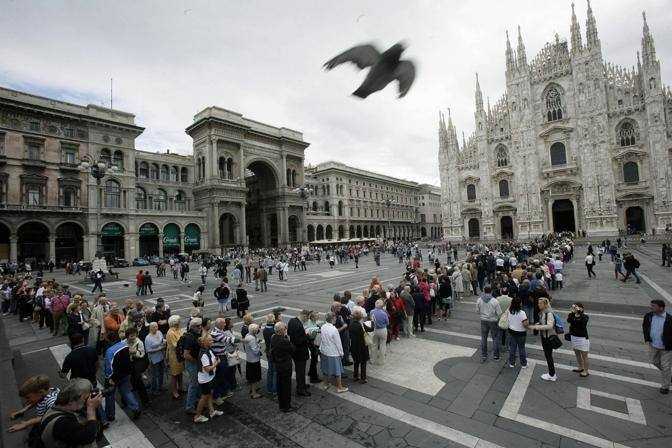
635, 413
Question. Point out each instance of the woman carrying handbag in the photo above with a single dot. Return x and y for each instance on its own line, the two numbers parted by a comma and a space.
549, 338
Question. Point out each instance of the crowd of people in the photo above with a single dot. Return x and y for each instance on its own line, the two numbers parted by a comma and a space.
139, 351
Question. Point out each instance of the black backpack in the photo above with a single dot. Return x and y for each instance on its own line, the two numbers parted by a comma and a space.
179, 348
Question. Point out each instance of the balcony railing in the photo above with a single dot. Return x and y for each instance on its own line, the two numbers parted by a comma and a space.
38, 207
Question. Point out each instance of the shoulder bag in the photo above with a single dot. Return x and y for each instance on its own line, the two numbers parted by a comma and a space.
504, 320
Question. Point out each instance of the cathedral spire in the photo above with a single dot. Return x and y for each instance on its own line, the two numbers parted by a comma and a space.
464, 141
510, 62
648, 47
576, 34
592, 41
522, 57
478, 96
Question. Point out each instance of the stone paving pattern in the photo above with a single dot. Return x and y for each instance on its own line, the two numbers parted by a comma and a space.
472, 395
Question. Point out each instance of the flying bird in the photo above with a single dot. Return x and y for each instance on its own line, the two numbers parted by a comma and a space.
385, 68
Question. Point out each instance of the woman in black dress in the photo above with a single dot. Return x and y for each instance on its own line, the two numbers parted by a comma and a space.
358, 348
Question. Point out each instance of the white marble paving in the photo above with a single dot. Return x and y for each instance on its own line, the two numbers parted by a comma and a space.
635, 412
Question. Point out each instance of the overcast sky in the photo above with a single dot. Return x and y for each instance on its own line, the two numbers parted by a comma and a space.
170, 59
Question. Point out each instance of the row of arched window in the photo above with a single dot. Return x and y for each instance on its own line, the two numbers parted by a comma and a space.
160, 200
165, 173
110, 158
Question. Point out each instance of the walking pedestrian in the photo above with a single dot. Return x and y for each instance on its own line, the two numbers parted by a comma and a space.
549, 339
657, 327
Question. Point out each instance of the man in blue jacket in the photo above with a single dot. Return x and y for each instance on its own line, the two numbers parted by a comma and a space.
118, 377
657, 327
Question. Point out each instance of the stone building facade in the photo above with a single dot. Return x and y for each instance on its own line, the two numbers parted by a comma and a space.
347, 202
575, 143
51, 207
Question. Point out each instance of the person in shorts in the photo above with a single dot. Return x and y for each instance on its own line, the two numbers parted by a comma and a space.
206, 375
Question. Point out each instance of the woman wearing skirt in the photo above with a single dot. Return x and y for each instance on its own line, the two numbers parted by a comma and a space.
253, 360
331, 353
578, 331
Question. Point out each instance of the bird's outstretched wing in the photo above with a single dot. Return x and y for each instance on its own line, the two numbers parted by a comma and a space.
405, 74
361, 55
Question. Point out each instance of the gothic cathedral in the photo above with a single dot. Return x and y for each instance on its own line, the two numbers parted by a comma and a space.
575, 143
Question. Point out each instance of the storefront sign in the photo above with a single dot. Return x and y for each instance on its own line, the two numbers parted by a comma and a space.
171, 236
112, 229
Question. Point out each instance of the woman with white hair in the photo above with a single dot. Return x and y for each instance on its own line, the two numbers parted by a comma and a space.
155, 346
176, 366
252, 360
358, 348
331, 353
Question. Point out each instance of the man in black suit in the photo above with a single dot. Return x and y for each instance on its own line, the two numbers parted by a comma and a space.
297, 335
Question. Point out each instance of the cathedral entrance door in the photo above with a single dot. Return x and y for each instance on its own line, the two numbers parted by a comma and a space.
563, 216
506, 224
634, 220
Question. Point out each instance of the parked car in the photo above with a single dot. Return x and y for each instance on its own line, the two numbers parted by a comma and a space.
140, 262
120, 263
154, 259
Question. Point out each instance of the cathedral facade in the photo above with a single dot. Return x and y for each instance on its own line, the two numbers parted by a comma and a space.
575, 143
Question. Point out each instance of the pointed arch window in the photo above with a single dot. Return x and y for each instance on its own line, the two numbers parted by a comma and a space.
553, 105
502, 156
627, 134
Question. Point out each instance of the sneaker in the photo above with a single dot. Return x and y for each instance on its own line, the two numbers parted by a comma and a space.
523, 366
201, 419
547, 377
216, 413
512, 365
496, 358
342, 390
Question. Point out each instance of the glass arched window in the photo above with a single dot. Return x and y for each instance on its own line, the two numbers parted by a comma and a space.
118, 160
340, 208
184, 174
471, 192
627, 134
314, 206
160, 200
173, 174
165, 175
558, 154
143, 170
180, 201
140, 198
106, 156
327, 208
221, 166
553, 105
630, 172
503, 188
112, 194
154, 172
502, 156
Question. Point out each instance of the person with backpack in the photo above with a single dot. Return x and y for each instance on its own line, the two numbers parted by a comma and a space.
207, 365
590, 264
118, 369
548, 328
631, 264
188, 350
223, 295
65, 424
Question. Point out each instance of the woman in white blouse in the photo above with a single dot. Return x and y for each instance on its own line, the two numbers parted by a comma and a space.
331, 353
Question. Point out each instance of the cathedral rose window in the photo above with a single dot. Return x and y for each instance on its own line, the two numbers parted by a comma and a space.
553, 105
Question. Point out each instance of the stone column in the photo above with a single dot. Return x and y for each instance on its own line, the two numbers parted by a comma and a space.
52, 248
242, 164
214, 167
214, 225
129, 247
549, 204
243, 226
85, 247
160, 244
13, 248
283, 174
181, 242
283, 234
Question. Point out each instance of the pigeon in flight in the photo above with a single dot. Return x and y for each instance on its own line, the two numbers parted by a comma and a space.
385, 68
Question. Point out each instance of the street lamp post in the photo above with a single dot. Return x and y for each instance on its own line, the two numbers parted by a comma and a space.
98, 170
